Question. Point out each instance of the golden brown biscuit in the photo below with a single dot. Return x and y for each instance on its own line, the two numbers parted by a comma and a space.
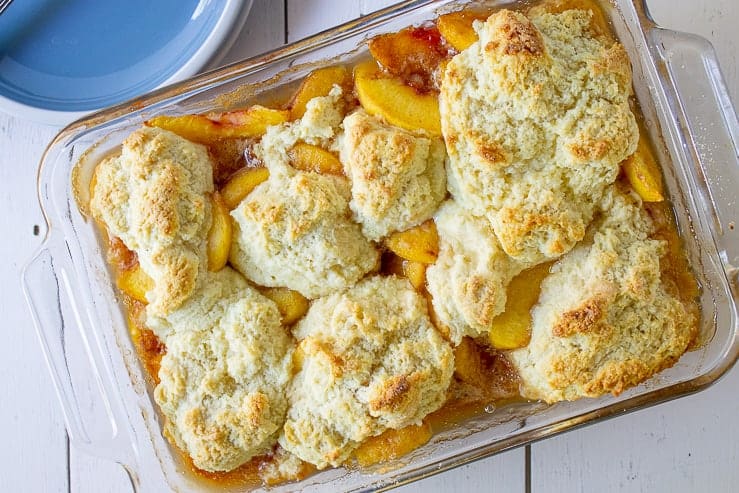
153, 197
224, 375
604, 321
295, 230
398, 179
469, 279
536, 119
369, 359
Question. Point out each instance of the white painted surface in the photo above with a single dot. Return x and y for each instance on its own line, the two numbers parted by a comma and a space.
685, 445
30, 420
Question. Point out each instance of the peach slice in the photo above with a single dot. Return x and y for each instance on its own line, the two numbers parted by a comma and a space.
468, 366
456, 27
392, 444
416, 273
317, 83
291, 304
418, 244
135, 283
148, 345
219, 236
643, 173
489, 372
415, 50
241, 184
248, 123
307, 157
395, 102
298, 357
512, 328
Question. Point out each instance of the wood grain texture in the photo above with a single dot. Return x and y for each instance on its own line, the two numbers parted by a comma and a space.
306, 17
31, 422
504, 473
683, 446
264, 30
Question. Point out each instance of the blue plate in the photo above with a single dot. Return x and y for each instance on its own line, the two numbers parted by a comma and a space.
81, 55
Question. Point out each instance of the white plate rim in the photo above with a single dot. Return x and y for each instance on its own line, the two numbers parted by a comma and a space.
232, 17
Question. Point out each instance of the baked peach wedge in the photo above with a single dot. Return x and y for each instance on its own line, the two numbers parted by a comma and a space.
416, 273
318, 83
392, 444
135, 283
219, 235
512, 328
643, 172
395, 102
249, 123
413, 52
241, 184
456, 27
418, 244
291, 304
412, 270
308, 157
468, 366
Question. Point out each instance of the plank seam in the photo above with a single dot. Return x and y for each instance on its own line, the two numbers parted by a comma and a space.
69, 462
527, 469
285, 20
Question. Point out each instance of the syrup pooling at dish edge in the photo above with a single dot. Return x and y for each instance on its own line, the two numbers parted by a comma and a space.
342, 186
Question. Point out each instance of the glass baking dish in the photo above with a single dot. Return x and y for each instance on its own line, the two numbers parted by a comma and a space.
108, 408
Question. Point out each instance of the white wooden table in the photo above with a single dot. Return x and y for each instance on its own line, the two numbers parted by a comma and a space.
687, 445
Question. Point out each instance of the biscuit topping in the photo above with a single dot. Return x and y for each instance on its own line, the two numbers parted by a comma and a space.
514, 34
370, 360
398, 179
224, 375
536, 119
295, 231
604, 321
153, 198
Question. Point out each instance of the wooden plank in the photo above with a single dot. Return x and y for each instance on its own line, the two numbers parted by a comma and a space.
88, 473
306, 17
686, 445
367, 6
264, 30
34, 452
503, 473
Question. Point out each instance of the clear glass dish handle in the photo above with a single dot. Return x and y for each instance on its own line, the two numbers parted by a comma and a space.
710, 132
52, 289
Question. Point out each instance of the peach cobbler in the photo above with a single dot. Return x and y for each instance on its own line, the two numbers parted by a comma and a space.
470, 216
